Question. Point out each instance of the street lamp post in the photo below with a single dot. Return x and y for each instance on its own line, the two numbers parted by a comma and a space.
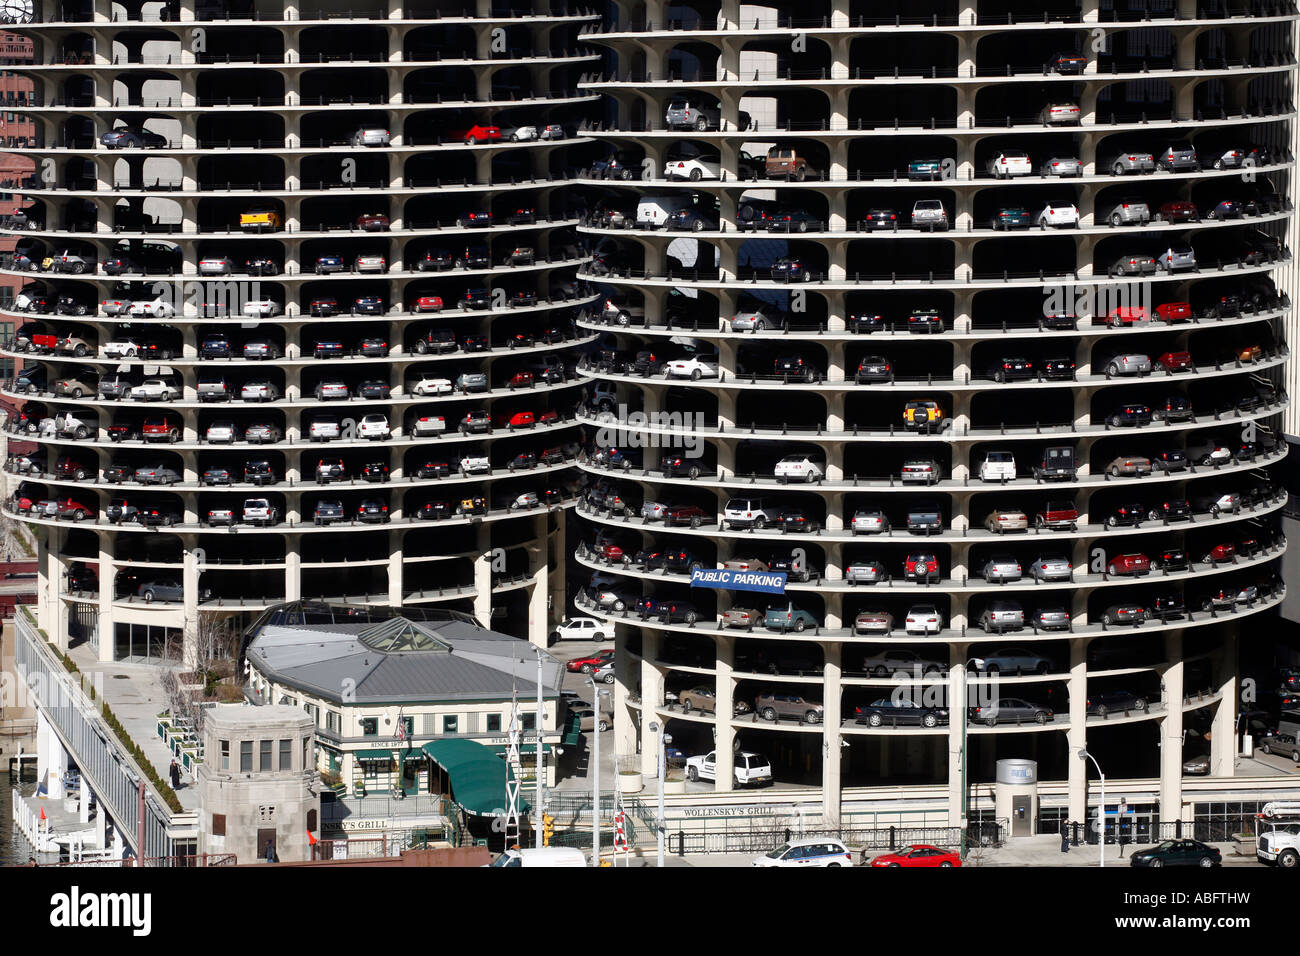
1101, 811
595, 774
660, 825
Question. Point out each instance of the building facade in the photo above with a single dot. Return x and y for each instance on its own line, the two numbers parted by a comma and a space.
963, 338
298, 311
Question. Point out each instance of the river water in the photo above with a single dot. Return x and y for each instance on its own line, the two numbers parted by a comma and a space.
14, 848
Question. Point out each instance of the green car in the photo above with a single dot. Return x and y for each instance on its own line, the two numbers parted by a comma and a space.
1011, 217
1178, 853
925, 169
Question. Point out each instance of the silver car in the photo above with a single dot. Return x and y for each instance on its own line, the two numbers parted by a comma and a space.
929, 214
1131, 210
1062, 166
1001, 616
757, 321
1133, 265
870, 522
1128, 363
1176, 257
1000, 567
653, 510
866, 572
1051, 567
1134, 161
367, 136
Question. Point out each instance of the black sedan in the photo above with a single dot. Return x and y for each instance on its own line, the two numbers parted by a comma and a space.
888, 712
434, 510
217, 476
874, 368
1170, 559
1110, 701
433, 469
1013, 368
1058, 369
374, 388
1178, 853
372, 510
790, 269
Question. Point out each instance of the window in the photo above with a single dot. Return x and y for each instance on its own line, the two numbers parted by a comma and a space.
218, 824
529, 721
225, 755
264, 749
494, 723
450, 723
311, 819
286, 754
369, 726
245, 756
333, 721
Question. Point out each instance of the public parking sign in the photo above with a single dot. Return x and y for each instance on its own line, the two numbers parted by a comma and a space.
766, 582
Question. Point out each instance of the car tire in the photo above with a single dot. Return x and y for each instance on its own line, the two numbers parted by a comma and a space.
767, 713
990, 721
1206, 861
148, 596
692, 774
929, 720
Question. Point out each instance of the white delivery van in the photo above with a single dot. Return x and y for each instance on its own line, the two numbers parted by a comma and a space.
541, 856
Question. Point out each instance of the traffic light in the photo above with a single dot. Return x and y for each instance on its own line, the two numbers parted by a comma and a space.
548, 829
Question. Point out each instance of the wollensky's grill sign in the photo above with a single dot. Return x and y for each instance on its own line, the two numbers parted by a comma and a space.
768, 582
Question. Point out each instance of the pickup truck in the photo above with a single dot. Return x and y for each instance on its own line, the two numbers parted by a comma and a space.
925, 516
213, 390
747, 768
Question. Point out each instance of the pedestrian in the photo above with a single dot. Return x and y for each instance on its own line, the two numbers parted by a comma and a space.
1065, 837
270, 853
176, 774
1123, 838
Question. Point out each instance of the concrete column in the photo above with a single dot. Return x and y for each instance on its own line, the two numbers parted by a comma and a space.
624, 682
724, 736
1171, 731
1077, 736
538, 622
1223, 732
956, 694
190, 589
832, 753
107, 574
652, 695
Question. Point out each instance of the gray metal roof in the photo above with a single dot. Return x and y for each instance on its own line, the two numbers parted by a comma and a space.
461, 662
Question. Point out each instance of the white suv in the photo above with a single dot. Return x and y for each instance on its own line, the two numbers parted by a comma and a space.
998, 466
745, 513
1011, 162
800, 468
748, 768
374, 427
1062, 215
260, 511
582, 629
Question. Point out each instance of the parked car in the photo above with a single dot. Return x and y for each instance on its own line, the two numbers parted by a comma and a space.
772, 706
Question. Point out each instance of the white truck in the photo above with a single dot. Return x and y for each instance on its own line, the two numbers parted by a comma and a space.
747, 768
260, 511
1278, 842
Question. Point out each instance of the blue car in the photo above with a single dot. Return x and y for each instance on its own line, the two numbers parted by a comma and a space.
368, 305
325, 264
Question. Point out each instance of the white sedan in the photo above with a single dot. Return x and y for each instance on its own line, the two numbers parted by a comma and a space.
374, 427
432, 386
924, 619
158, 308
428, 425
815, 851
121, 348
261, 308
519, 134
694, 368
154, 390
693, 168
475, 465
1060, 215
799, 468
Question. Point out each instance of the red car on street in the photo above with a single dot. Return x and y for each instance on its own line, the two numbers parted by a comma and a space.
588, 664
919, 854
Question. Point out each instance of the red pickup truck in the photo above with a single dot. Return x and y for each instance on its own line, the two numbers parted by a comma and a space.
1059, 515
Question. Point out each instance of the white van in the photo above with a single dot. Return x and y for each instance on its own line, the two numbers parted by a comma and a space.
543, 856
653, 212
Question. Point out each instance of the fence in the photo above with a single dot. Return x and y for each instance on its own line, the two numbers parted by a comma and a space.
188, 860
889, 838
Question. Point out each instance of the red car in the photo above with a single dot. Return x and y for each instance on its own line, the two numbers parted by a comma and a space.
692, 515
919, 854
1174, 312
477, 134
68, 508
517, 420
159, 429
1179, 210
919, 567
1058, 514
548, 417
1127, 315
608, 550
520, 380
1176, 362
588, 664
372, 222
1127, 564
427, 303
1220, 552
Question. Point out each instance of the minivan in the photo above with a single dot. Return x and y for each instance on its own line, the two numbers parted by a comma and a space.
541, 856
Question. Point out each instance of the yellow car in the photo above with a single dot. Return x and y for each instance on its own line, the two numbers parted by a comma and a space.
260, 219
923, 414
1249, 353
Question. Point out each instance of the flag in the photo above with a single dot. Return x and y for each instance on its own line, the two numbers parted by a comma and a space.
311, 840
42, 813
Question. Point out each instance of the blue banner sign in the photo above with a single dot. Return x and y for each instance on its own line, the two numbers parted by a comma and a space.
767, 582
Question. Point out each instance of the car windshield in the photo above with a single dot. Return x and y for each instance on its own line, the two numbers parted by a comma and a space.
779, 852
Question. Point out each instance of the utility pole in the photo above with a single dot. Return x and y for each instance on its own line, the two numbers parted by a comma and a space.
595, 777
1101, 811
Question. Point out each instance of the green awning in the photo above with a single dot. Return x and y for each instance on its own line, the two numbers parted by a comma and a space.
373, 754
415, 756
572, 730
478, 776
